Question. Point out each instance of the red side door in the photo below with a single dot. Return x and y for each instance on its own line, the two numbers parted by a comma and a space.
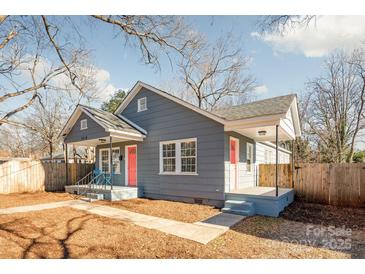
233, 160
233, 154
132, 166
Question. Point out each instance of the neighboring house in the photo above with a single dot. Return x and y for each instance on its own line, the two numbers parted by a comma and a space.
8, 159
171, 149
60, 158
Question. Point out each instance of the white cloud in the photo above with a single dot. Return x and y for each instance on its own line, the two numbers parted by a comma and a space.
260, 90
320, 37
94, 80
104, 87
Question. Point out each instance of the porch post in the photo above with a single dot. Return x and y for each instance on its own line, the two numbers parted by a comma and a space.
292, 163
277, 161
66, 161
111, 163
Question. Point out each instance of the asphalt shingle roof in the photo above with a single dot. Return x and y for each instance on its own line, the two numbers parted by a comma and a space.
271, 106
109, 120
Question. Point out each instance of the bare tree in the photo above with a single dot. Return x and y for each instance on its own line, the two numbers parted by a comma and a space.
28, 69
45, 123
283, 23
15, 141
154, 34
335, 113
215, 73
43, 53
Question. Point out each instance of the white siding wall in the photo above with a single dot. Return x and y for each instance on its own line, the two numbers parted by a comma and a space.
245, 179
261, 150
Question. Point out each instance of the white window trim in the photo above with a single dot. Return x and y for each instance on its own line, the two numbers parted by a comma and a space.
251, 157
178, 157
139, 109
100, 159
83, 122
126, 164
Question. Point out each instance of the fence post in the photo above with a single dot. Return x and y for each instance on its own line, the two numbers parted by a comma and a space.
66, 162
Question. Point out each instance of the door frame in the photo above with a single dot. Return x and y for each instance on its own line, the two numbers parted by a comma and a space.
126, 164
236, 183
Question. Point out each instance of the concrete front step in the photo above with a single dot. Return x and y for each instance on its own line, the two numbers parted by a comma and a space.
95, 196
238, 211
239, 207
234, 204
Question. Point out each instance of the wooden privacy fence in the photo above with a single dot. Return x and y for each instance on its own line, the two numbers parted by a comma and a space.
333, 184
31, 176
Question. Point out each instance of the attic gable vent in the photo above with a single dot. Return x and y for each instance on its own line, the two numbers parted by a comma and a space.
142, 104
83, 124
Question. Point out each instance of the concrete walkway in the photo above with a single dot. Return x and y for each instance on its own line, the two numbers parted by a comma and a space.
201, 232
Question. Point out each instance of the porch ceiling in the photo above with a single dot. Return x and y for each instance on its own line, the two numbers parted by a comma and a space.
103, 140
251, 129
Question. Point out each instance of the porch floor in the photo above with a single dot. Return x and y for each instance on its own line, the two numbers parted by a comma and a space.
261, 191
258, 200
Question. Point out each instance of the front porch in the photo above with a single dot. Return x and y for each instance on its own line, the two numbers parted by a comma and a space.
114, 141
258, 200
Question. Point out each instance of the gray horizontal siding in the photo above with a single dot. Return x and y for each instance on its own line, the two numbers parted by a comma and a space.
93, 131
166, 120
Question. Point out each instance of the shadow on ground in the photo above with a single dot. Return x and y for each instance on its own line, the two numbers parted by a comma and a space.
49, 241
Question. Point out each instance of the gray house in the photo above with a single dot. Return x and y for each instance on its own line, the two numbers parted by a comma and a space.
158, 146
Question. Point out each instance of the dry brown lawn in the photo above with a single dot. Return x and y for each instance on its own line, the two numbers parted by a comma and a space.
183, 212
22, 199
70, 233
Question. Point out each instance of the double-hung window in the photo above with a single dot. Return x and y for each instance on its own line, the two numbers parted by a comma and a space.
178, 157
169, 157
105, 160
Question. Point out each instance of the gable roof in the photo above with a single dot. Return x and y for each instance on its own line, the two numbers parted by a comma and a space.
277, 106
110, 121
107, 120
270, 106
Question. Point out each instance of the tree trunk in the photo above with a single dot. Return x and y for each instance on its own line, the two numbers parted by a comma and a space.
51, 150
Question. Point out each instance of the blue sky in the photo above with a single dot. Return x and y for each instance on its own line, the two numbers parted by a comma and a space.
282, 64
281, 73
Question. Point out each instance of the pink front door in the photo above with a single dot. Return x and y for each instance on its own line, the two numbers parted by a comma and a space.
132, 166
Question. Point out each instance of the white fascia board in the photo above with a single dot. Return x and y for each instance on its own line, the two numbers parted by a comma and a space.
111, 130
132, 124
255, 122
71, 121
295, 116
289, 131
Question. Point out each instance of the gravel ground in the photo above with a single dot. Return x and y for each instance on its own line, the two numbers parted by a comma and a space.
184, 212
22, 199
